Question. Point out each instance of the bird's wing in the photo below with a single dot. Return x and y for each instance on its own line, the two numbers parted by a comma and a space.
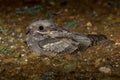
62, 46
84, 41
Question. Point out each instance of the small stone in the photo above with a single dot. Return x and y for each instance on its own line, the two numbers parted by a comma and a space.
111, 35
23, 50
52, 3
11, 40
117, 65
22, 46
26, 60
20, 19
13, 34
13, 47
89, 24
46, 58
66, 10
85, 60
22, 55
117, 43
105, 70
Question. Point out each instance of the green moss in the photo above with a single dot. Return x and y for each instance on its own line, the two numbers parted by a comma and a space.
71, 23
29, 10
5, 50
3, 31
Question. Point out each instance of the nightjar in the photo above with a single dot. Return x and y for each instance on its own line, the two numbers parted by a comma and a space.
43, 36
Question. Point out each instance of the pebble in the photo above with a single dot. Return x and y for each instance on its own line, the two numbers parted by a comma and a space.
22, 46
52, 3
116, 65
88, 28
46, 58
26, 60
13, 34
111, 35
11, 40
66, 10
23, 50
105, 70
13, 47
117, 43
89, 24
22, 55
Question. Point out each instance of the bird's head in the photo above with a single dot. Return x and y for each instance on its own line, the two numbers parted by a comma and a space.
41, 27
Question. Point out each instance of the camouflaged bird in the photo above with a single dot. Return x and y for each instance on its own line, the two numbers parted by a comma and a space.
44, 36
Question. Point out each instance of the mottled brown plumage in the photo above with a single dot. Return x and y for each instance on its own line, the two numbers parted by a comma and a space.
44, 36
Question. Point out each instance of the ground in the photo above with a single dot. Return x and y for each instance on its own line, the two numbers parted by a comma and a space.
18, 62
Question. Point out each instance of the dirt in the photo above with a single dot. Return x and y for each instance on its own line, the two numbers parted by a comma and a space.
18, 62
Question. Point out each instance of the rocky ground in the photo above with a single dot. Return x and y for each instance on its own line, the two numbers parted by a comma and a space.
18, 62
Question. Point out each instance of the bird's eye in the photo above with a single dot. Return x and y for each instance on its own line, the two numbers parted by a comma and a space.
41, 27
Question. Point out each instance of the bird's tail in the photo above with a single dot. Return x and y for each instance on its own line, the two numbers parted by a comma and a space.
99, 39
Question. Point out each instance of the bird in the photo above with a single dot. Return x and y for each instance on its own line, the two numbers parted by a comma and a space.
43, 36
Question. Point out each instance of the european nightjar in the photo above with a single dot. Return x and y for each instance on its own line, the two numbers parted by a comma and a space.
44, 36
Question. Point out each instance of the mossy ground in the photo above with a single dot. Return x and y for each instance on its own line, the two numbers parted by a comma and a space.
17, 62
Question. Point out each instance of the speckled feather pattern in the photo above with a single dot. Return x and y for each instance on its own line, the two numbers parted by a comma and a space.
43, 36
